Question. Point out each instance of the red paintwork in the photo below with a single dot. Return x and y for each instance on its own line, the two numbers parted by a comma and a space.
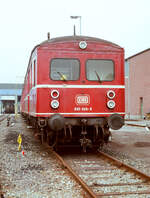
36, 100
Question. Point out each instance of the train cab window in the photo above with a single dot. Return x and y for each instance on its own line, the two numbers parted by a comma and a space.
64, 69
100, 70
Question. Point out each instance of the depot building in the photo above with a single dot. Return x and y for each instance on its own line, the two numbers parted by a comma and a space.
10, 95
137, 81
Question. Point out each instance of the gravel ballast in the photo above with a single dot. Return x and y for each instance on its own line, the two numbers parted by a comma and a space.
37, 173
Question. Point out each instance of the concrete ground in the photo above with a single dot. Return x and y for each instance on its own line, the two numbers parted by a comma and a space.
138, 122
133, 140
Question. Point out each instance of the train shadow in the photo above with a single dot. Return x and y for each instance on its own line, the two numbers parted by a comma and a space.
75, 149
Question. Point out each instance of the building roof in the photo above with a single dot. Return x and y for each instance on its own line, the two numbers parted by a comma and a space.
7, 89
10, 92
10, 86
137, 54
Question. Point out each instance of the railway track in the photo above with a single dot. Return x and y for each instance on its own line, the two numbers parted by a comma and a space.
3, 117
136, 123
103, 176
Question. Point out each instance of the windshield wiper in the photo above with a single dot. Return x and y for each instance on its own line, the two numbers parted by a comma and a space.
63, 77
98, 77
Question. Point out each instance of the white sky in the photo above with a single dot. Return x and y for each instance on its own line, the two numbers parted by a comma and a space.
25, 23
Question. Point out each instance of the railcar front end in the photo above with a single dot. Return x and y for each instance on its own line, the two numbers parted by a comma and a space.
77, 91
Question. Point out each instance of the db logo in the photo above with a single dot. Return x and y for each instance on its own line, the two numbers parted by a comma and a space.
82, 99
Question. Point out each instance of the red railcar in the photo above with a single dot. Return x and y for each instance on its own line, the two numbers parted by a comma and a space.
74, 90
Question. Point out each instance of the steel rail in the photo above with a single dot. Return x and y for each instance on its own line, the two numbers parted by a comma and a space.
120, 164
77, 178
117, 163
3, 117
123, 165
136, 125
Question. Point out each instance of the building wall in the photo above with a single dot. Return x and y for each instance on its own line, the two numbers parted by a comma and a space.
126, 97
138, 99
126, 88
10, 94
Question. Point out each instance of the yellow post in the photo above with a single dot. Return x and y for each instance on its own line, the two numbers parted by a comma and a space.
19, 140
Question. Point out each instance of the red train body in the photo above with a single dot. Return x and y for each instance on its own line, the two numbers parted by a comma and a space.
74, 90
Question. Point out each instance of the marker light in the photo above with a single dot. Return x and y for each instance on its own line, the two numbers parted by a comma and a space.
111, 104
111, 94
82, 44
55, 94
54, 104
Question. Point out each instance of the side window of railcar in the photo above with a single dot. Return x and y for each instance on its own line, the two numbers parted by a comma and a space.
64, 69
100, 70
31, 76
34, 73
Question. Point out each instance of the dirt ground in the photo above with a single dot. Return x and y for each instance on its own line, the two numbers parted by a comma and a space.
134, 141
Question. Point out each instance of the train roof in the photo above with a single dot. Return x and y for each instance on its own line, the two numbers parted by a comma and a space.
74, 39
78, 38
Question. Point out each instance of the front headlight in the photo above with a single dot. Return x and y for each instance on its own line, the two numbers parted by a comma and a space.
54, 104
111, 94
111, 104
83, 45
54, 93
